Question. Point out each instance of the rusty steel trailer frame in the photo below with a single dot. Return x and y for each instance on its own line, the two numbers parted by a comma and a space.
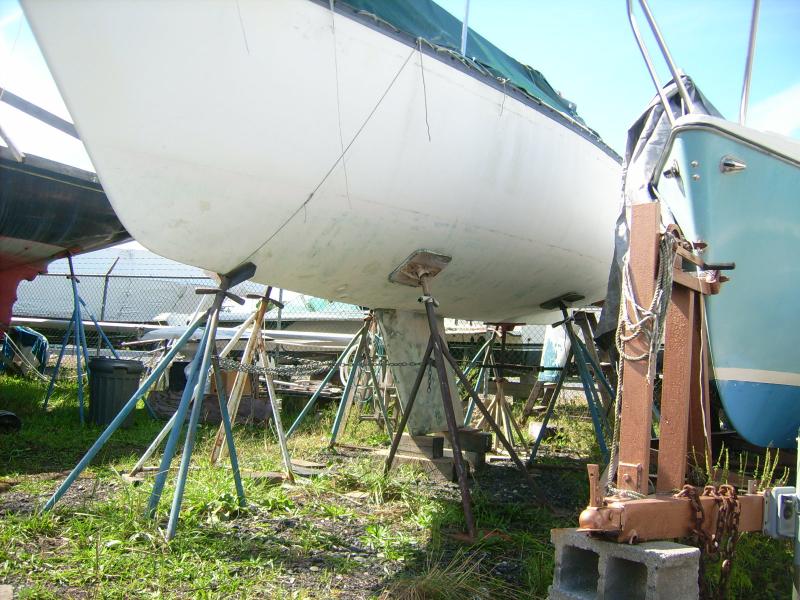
632, 513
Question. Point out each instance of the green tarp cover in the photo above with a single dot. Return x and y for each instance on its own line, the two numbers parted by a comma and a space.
427, 20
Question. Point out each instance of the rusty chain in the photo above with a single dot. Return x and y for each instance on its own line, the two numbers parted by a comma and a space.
721, 544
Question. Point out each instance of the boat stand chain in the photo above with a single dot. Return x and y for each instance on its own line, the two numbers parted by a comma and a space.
417, 271
75, 327
200, 366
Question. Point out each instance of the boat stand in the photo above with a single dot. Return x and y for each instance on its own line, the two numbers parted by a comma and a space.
480, 358
359, 340
81, 347
589, 371
417, 271
629, 512
255, 355
498, 406
362, 368
193, 392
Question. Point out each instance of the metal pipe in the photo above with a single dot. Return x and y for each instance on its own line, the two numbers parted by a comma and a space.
99, 329
340, 414
226, 422
123, 414
194, 419
650, 67
447, 401
465, 29
676, 76
485, 349
748, 67
426, 356
489, 419
189, 391
550, 408
105, 289
80, 340
275, 403
334, 369
64, 341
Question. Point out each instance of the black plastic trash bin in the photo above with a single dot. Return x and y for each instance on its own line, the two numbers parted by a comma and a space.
112, 382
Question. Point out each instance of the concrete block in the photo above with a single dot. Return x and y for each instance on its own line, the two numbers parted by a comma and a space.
588, 568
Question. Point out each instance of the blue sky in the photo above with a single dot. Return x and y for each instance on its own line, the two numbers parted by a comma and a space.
584, 47
587, 51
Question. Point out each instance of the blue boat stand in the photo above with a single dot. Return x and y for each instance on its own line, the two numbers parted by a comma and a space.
328, 376
194, 390
81, 348
589, 372
362, 365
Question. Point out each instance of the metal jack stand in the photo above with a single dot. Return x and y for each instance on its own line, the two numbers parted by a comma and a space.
80, 345
362, 339
481, 358
417, 270
194, 390
587, 367
255, 353
361, 357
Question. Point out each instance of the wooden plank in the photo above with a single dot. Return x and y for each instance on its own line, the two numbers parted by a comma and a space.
637, 400
431, 446
676, 390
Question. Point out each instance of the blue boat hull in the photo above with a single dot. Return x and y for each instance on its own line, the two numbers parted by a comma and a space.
750, 216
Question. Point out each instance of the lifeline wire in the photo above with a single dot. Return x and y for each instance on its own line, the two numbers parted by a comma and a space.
338, 159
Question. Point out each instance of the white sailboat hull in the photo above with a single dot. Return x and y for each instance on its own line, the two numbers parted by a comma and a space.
218, 130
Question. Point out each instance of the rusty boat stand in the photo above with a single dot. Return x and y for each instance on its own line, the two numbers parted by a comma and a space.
417, 271
632, 513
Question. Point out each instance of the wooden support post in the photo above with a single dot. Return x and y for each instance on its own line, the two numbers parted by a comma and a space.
637, 400
675, 390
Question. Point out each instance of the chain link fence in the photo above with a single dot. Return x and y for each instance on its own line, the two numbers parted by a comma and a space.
132, 291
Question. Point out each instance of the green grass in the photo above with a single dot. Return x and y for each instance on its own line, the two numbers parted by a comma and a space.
303, 541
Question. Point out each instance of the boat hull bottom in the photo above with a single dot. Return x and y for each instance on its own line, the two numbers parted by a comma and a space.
771, 428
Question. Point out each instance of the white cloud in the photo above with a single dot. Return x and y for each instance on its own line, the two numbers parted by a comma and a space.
779, 113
